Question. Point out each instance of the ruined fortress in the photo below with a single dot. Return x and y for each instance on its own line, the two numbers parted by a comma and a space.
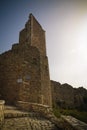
25, 84
24, 70
24, 74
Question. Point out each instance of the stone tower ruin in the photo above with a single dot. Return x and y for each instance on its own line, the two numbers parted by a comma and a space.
24, 71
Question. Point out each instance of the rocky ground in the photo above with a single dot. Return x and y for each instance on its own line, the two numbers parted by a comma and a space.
18, 120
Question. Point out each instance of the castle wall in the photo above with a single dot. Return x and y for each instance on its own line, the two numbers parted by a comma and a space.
24, 70
20, 74
38, 40
35, 36
45, 82
22, 36
2, 102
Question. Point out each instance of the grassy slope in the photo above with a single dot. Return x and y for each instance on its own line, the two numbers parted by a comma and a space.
81, 115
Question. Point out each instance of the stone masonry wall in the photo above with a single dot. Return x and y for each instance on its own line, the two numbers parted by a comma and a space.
45, 78
20, 65
37, 36
24, 70
34, 35
2, 102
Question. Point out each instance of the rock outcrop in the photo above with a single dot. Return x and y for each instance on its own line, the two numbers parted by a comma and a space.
65, 96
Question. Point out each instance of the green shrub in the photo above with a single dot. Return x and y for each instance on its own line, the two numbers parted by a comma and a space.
56, 112
80, 115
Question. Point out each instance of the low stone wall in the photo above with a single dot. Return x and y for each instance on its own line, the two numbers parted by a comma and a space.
27, 106
71, 123
63, 123
2, 102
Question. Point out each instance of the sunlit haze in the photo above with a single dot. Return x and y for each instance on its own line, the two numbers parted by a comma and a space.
65, 24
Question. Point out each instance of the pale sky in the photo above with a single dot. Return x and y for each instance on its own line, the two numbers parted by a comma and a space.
65, 24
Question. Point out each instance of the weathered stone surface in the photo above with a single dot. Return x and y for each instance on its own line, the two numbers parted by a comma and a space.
17, 120
35, 107
2, 102
71, 123
27, 123
21, 120
24, 78
65, 96
24, 70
